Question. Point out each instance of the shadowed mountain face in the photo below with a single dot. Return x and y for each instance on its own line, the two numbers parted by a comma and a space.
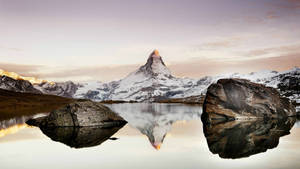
17, 85
64, 89
238, 139
14, 82
80, 137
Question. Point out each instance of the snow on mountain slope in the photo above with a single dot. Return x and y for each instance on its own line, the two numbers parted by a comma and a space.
154, 81
151, 82
15, 82
65, 89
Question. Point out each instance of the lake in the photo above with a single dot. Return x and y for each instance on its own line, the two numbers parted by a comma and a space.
156, 136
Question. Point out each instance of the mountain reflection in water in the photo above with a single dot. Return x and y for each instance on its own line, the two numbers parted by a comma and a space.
238, 139
234, 140
155, 120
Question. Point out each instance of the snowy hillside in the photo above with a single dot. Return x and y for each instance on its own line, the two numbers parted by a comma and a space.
154, 81
151, 82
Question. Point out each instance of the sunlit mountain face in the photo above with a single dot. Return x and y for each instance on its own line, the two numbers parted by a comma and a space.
16, 76
155, 120
152, 82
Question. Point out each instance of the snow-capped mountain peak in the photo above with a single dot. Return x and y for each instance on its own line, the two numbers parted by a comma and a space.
151, 82
154, 67
155, 53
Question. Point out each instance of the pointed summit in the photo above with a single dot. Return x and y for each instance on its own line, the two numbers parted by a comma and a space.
155, 66
155, 54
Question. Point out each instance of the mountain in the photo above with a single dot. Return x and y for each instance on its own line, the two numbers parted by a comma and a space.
16, 76
64, 89
286, 82
20, 85
15, 82
153, 82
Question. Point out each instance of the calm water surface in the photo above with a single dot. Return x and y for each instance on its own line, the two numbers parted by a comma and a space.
156, 136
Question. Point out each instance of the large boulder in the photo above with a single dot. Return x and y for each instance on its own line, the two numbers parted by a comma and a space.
80, 113
238, 139
231, 99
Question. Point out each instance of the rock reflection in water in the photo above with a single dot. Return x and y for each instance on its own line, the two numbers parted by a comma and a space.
80, 137
155, 120
238, 139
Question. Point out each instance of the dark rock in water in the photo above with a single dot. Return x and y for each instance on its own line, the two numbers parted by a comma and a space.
80, 113
231, 99
80, 137
238, 139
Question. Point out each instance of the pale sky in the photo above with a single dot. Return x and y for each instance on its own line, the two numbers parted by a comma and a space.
107, 39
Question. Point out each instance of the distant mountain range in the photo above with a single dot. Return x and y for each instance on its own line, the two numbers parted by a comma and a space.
152, 82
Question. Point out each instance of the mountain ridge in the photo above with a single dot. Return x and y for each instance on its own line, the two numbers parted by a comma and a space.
148, 85
153, 82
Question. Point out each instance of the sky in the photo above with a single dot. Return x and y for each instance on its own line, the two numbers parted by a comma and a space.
105, 40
